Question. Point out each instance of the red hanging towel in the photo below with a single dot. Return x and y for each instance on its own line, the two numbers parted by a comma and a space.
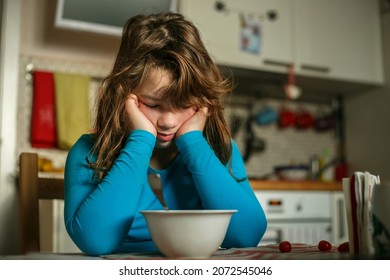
43, 129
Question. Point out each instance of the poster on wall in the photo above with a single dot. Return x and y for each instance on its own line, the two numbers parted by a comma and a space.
250, 34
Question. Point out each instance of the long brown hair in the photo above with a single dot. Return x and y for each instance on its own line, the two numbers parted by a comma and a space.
168, 41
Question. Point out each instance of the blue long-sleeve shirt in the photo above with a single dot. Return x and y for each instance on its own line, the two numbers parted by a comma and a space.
102, 217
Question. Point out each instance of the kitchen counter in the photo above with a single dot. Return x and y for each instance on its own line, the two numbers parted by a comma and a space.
295, 185
264, 184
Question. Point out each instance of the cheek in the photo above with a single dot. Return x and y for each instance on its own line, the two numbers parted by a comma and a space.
149, 113
186, 114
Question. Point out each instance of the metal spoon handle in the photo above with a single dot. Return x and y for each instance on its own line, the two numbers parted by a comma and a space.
154, 180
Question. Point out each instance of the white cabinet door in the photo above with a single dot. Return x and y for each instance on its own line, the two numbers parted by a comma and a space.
332, 39
296, 216
339, 218
243, 34
297, 232
295, 205
338, 39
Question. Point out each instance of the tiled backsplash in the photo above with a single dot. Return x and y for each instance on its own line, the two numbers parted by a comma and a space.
283, 146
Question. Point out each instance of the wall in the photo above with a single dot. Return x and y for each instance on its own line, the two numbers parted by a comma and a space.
367, 122
40, 38
9, 63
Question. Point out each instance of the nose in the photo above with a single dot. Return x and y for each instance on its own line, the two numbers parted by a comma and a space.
168, 120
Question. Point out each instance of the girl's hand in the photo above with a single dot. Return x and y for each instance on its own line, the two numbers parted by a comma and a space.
196, 122
137, 119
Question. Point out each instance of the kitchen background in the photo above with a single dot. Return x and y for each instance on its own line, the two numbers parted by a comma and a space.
30, 38
279, 145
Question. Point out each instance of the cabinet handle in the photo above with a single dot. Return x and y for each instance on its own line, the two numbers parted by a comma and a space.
322, 69
277, 63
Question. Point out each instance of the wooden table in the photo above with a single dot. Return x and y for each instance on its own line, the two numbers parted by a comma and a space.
263, 252
230, 262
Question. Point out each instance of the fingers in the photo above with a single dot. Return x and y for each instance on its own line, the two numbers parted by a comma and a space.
195, 122
137, 120
132, 100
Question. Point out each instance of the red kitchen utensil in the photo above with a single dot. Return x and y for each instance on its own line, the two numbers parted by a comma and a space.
304, 120
287, 117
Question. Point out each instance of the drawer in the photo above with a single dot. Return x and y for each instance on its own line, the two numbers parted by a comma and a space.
295, 204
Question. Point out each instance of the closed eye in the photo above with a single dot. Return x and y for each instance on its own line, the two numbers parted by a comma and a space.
151, 106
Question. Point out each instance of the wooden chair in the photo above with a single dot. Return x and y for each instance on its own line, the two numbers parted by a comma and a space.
32, 188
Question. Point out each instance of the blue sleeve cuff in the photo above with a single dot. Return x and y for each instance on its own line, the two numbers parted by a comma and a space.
142, 136
189, 140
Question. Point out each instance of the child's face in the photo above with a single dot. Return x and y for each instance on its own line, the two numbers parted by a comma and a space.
165, 119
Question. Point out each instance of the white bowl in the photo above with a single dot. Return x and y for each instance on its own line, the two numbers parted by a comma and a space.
188, 233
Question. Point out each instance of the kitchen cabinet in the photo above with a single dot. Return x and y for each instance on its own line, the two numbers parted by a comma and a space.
338, 39
225, 35
335, 39
302, 216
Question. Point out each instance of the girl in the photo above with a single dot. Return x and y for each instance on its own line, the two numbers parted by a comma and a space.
160, 115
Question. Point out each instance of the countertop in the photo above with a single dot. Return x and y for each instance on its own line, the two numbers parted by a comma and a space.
295, 185
258, 184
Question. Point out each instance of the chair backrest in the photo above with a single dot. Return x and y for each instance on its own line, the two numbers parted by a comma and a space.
32, 188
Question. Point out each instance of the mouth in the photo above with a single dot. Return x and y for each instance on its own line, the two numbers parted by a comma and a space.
165, 137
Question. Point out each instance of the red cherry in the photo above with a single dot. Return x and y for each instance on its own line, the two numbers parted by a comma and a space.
343, 247
324, 245
284, 246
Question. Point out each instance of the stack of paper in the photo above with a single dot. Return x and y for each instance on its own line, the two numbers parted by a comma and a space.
357, 193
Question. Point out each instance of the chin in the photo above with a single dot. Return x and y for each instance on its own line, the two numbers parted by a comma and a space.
163, 145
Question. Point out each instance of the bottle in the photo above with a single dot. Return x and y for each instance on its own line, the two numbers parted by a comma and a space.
314, 167
326, 172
